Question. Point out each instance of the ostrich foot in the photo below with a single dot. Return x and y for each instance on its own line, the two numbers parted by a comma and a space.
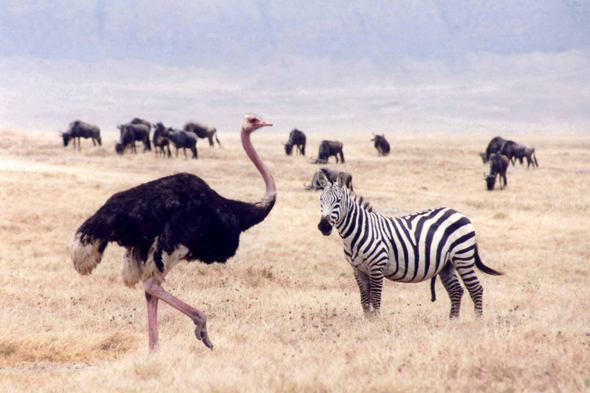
201, 333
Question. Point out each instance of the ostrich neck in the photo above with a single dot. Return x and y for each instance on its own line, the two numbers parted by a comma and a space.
269, 181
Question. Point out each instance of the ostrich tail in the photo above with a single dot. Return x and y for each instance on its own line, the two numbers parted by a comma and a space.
86, 252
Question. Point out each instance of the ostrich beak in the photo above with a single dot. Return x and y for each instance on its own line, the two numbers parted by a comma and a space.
264, 124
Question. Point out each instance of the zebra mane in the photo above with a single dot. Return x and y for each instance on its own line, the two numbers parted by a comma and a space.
359, 200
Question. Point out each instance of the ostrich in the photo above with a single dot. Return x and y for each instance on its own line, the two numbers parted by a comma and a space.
164, 221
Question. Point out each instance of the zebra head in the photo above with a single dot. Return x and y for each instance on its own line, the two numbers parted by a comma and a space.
331, 206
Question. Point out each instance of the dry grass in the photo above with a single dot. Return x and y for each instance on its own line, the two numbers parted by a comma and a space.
284, 314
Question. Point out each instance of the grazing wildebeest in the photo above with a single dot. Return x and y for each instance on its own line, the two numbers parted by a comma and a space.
78, 129
381, 145
495, 145
296, 138
130, 133
203, 131
498, 166
515, 151
160, 140
183, 139
332, 175
327, 149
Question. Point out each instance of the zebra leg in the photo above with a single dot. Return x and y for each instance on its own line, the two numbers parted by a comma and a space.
448, 276
365, 288
473, 286
376, 280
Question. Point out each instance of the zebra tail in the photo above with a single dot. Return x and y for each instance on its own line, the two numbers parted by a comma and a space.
484, 268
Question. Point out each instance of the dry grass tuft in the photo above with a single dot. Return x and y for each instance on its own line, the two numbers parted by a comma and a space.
59, 348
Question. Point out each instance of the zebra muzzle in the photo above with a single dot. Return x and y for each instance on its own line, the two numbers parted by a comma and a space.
325, 226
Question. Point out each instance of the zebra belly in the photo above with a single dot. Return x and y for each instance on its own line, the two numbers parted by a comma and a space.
406, 275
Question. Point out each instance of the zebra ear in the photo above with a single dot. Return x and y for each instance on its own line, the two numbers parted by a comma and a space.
323, 180
342, 179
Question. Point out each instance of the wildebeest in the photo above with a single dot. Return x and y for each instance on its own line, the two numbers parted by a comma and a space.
495, 145
203, 131
78, 129
130, 133
137, 120
183, 139
498, 166
327, 149
332, 175
515, 151
160, 140
381, 145
296, 138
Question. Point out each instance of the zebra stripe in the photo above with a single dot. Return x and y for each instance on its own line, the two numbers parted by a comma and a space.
411, 248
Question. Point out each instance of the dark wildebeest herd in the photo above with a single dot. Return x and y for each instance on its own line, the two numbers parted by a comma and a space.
499, 153
138, 130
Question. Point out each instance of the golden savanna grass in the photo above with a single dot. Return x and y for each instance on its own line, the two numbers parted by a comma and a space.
284, 313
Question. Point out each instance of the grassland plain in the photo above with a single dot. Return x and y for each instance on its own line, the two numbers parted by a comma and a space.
284, 313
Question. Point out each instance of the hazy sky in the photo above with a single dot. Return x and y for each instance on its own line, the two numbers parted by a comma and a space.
497, 67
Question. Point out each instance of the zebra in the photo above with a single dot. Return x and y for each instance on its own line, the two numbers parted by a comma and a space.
409, 249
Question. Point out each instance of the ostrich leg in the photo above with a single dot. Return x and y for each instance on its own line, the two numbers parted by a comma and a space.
154, 288
152, 311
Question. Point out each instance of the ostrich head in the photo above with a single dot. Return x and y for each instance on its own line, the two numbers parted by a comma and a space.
251, 123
